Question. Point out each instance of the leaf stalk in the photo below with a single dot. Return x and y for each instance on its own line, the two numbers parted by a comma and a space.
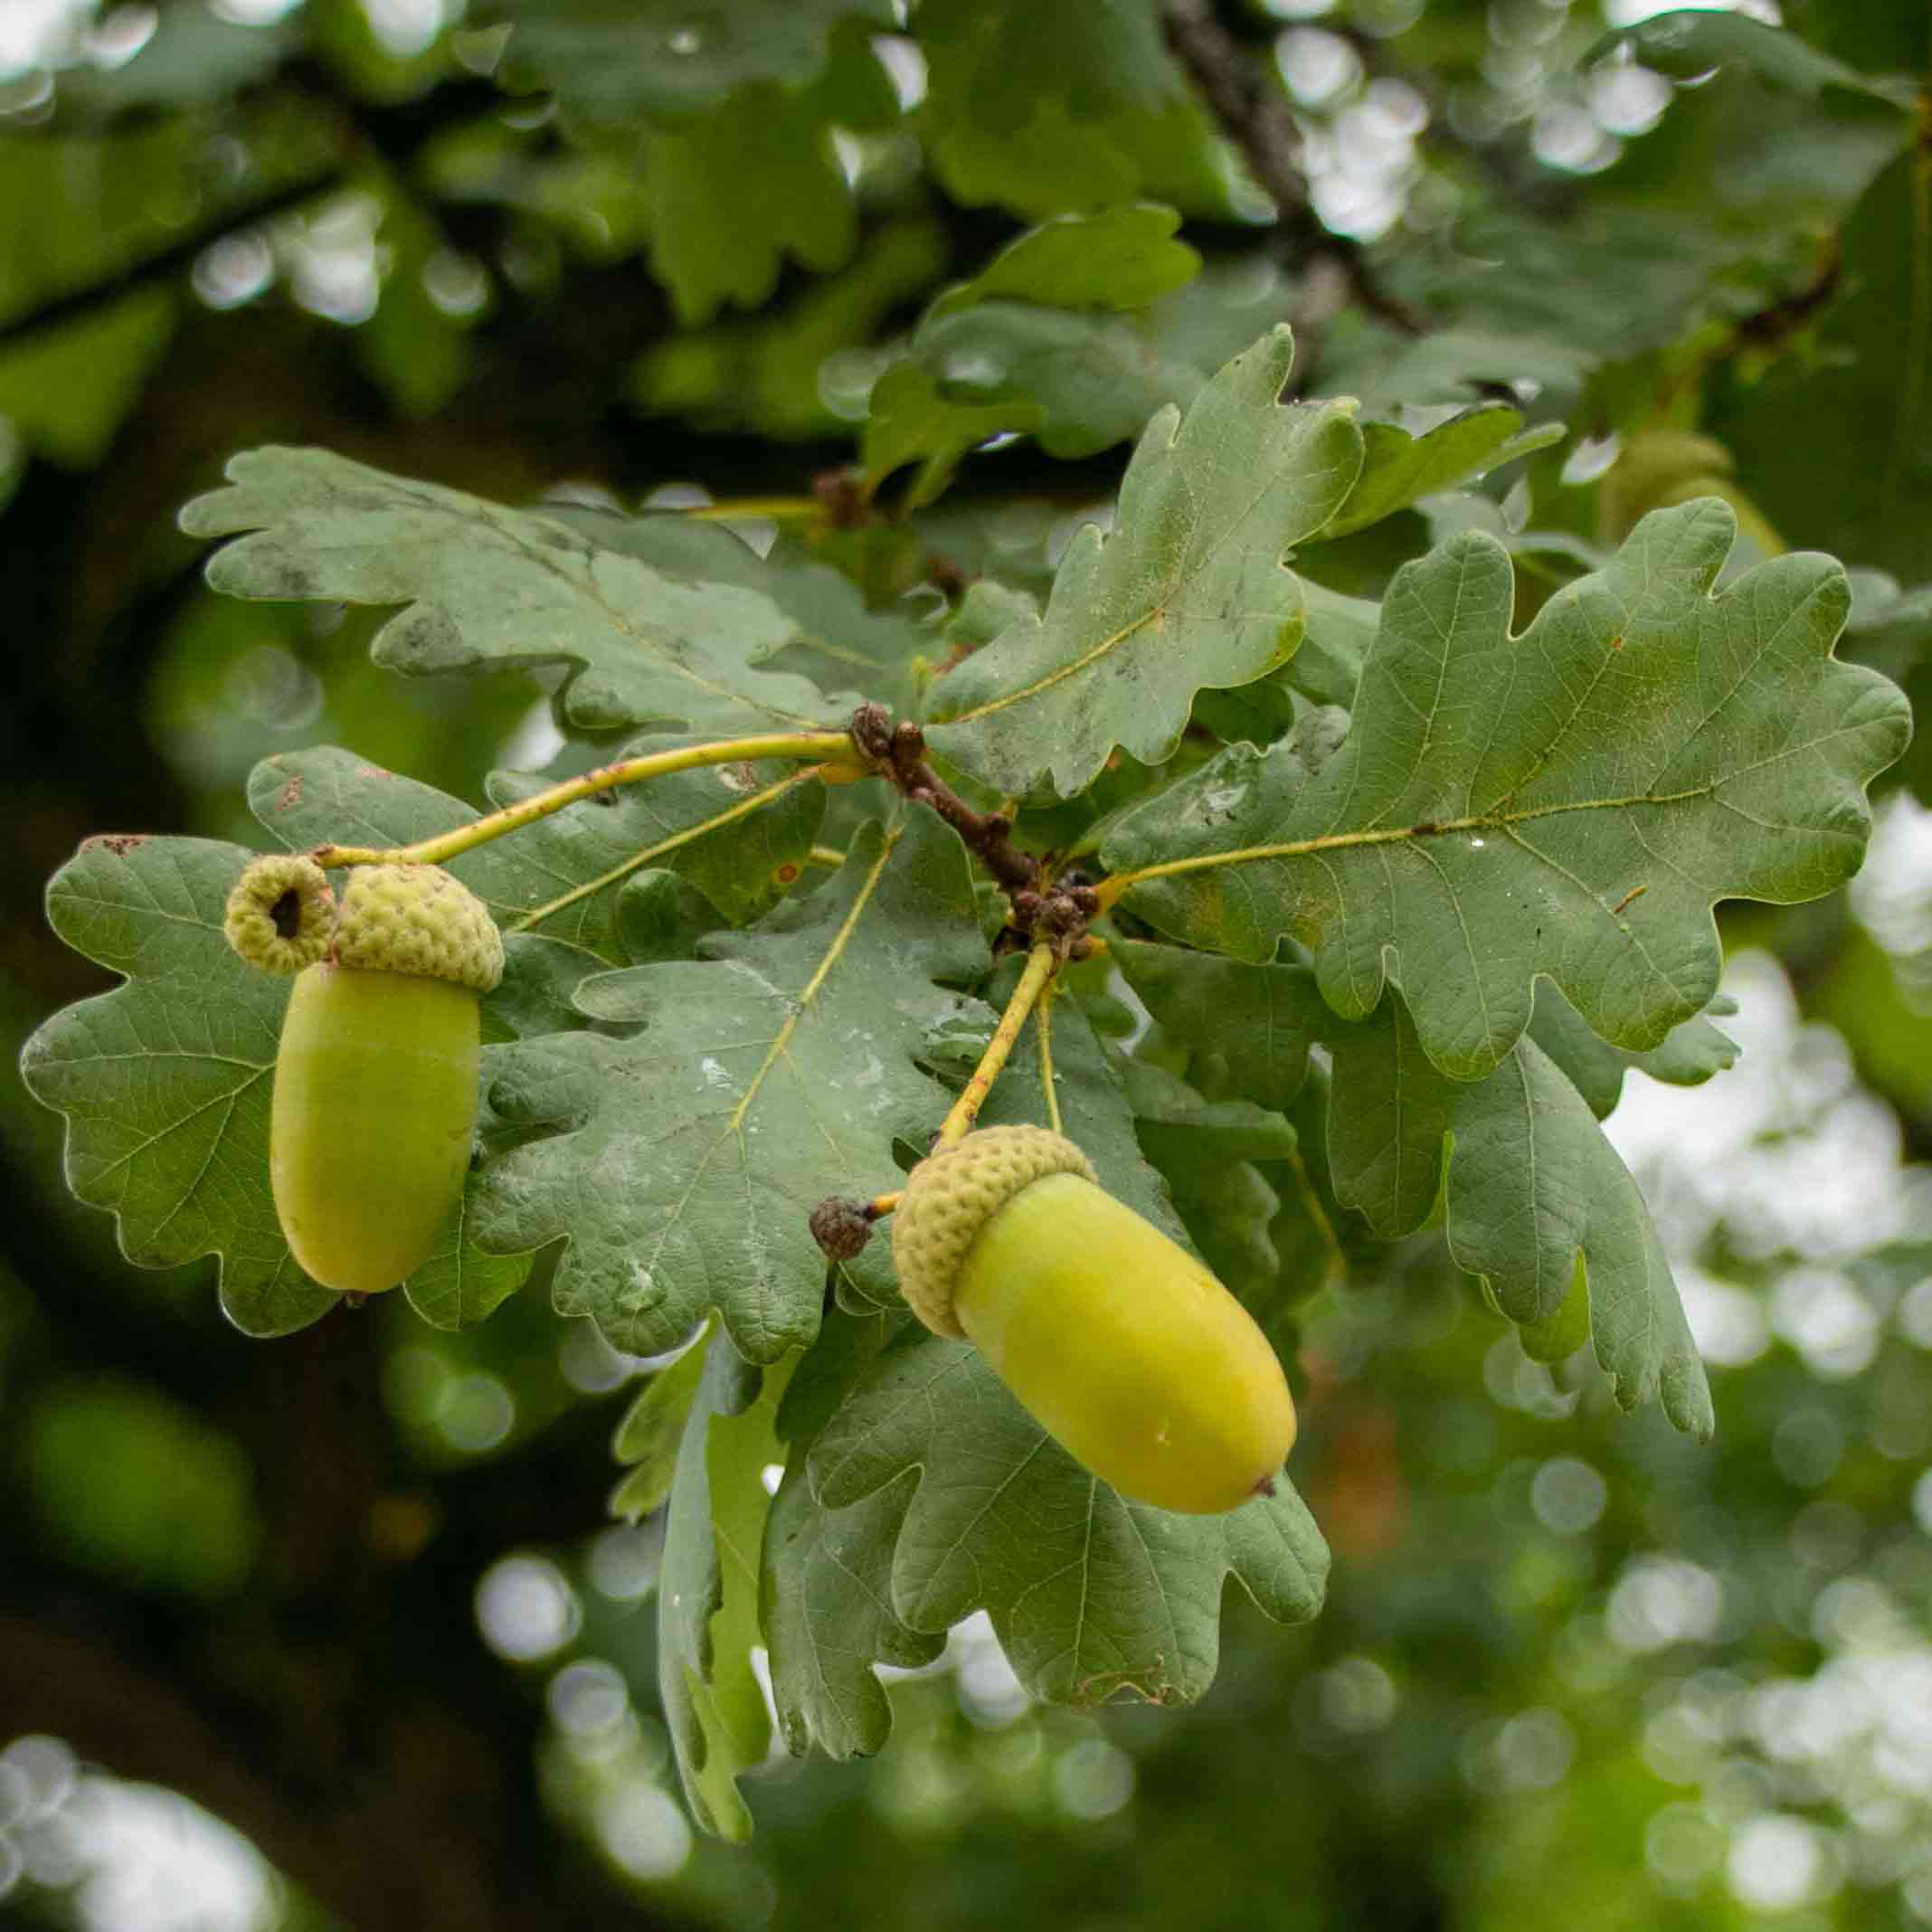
1047, 1080
822, 745
776, 509
1042, 963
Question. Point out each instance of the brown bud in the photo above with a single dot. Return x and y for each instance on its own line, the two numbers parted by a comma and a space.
871, 731
840, 1227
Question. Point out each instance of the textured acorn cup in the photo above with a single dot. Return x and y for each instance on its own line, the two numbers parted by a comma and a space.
282, 914
375, 1107
1129, 1354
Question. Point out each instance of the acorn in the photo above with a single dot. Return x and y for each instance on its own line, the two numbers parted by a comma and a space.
1660, 468
375, 1107
1117, 1341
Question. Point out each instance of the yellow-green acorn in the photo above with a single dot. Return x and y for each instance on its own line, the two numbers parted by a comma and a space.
1128, 1351
374, 1107
1660, 468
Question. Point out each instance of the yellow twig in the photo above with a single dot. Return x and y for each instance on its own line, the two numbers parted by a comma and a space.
1041, 965
777, 509
809, 744
826, 856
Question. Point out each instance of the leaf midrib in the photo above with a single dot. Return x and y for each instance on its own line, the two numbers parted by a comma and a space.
799, 1008
1161, 605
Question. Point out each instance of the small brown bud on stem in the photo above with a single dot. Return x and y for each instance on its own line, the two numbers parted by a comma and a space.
841, 1227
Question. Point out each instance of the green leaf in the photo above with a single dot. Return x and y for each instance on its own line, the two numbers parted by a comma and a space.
1049, 105
1090, 1596
1033, 343
1337, 634
326, 793
660, 917
1609, 280
1308, 1249
828, 1615
1191, 592
1689, 42
486, 587
729, 196
840, 640
1233, 300
1784, 155
1531, 1186
1398, 468
193, 59
1871, 39
1256, 1023
1095, 379
68, 391
1205, 1152
1858, 409
613, 61
762, 374
1638, 264
1447, 366
457, 1285
539, 989
707, 1589
1569, 804
687, 1157
910, 421
1257, 1020
988, 608
1120, 258
1690, 1055
653, 1427
179, 1516
1891, 629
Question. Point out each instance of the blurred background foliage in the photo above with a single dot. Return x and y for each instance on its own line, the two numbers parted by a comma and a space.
354, 1593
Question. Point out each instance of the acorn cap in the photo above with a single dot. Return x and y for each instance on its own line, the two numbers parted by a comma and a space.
952, 1195
281, 913
416, 919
